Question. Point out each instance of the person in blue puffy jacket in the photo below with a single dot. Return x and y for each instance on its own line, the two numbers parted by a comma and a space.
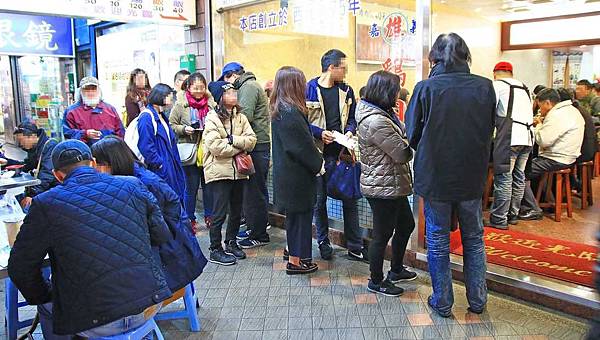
181, 257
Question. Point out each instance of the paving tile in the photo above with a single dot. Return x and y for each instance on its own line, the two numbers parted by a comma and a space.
300, 334
481, 338
279, 266
476, 329
426, 332
401, 333
326, 321
320, 290
299, 311
228, 325
391, 307
419, 319
359, 280
300, 323
414, 308
300, 291
217, 293
325, 334
257, 301
275, 301
253, 312
368, 309
277, 312
276, 323
535, 337
322, 300
234, 301
467, 318
451, 331
365, 298
410, 296
275, 335
347, 321
209, 313
211, 303
322, 311
320, 281
278, 253
351, 334
395, 320
224, 335
376, 334
500, 329
232, 312
252, 324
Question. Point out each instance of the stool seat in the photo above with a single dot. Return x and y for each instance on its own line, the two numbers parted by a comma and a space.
563, 184
137, 333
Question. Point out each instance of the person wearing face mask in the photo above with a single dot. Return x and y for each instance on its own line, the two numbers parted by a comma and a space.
39, 158
187, 120
226, 134
90, 118
157, 141
137, 93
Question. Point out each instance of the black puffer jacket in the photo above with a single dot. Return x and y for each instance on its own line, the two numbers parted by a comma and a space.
98, 231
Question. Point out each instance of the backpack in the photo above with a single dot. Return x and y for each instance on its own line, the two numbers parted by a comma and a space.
132, 135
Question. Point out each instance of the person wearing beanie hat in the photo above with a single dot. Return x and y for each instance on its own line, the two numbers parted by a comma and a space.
227, 133
99, 232
90, 118
254, 104
39, 159
512, 145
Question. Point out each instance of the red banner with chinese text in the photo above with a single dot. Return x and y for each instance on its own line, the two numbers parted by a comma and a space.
563, 260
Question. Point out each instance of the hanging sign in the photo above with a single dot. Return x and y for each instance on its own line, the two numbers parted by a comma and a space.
29, 34
172, 12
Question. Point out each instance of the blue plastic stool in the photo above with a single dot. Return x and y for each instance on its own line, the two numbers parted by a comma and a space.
12, 305
138, 333
189, 299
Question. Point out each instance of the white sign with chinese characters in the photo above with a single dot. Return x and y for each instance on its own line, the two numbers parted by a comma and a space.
30, 34
264, 20
171, 12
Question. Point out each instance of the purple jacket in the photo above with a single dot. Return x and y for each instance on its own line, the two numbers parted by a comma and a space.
79, 117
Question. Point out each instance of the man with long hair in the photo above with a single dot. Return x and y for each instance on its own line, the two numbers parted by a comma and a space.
450, 121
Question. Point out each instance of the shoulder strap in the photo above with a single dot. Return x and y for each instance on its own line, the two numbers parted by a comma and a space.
39, 165
154, 125
511, 96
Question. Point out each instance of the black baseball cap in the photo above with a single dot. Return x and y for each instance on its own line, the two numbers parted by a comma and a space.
70, 152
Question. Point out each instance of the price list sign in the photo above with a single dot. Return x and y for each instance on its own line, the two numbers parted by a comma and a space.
173, 12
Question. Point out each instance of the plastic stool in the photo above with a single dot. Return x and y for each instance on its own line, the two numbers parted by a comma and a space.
562, 185
138, 333
12, 305
189, 299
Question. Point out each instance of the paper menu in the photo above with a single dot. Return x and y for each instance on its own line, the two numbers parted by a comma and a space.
343, 140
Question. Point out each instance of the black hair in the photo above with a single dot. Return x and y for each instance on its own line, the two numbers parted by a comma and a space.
597, 87
585, 83
180, 74
538, 89
113, 151
564, 94
159, 93
404, 94
382, 90
548, 94
194, 77
230, 73
361, 92
450, 49
332, 57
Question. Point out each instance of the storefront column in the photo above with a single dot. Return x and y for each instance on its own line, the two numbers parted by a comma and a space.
197, 38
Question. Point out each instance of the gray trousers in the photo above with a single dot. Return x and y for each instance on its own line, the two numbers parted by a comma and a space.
539, 166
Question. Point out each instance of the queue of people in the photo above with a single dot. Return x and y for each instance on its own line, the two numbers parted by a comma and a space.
122, 206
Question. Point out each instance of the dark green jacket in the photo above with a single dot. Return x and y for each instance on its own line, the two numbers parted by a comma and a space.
255, 106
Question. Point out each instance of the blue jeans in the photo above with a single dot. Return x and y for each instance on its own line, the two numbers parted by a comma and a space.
509, 187
352, 232
438, 216
113, 328
194, 178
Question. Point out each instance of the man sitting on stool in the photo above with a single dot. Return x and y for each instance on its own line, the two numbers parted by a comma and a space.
559, 134
98, 231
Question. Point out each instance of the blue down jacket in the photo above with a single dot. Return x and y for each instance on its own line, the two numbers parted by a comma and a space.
181, 257
98, 231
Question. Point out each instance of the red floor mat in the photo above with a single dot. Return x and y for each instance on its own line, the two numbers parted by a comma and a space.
563, 260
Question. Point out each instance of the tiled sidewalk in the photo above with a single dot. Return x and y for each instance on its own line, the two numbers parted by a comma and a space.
255, 299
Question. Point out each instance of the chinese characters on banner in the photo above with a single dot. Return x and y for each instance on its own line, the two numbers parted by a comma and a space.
28, 34
264, 20
395, 67
354, 6
173, 12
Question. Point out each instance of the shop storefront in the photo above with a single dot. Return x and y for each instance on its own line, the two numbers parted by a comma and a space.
396, 36
36, 71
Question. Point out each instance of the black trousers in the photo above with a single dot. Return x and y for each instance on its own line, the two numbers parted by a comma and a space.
227, 197
256, 194
390, 216
298, 229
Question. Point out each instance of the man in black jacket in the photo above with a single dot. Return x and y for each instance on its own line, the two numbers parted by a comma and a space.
449, 121
98, 231
39, 154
